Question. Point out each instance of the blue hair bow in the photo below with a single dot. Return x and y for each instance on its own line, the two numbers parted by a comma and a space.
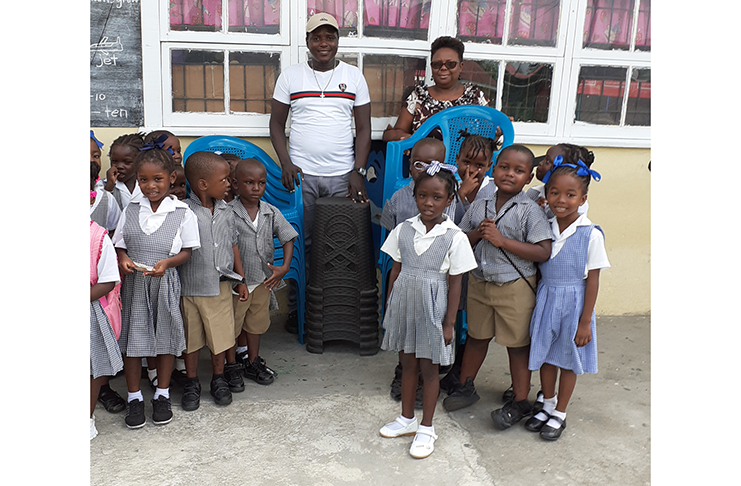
581, 169
97, 142
434, 167
159, 143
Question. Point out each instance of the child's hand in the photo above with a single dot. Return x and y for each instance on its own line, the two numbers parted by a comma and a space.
448, 334
541, 201
583, 333
158, 270
241, 289
470, 180
111, 177
274, 280
490, 233
125, 264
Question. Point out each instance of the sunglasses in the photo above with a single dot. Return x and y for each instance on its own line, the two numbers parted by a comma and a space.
437, 65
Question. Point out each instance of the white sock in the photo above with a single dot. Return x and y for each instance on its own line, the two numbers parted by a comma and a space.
165, 392
180, 364
241, 349
553, 423
406, 421
152, 374
137, 395
549, 405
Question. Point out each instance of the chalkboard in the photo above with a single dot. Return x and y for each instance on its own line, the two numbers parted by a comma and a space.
115, 64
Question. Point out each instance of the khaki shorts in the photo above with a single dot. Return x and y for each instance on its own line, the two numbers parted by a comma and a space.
253, 314
500, 311
209, 321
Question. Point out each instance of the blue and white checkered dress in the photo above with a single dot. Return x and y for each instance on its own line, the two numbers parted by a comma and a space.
558, 307
151, 323
419, 300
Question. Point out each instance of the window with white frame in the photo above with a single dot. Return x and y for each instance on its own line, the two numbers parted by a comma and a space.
576, 70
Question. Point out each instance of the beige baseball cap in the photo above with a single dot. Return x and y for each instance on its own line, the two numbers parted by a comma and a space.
320, 19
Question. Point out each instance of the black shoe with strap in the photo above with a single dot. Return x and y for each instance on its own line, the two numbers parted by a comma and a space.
463, 396
511, 413
258, 372
233, 376
111, 400
191, 399
220, 390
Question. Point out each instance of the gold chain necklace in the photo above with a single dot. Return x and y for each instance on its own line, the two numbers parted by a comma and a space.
317, 81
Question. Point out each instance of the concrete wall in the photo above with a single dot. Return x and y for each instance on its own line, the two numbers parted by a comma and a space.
620, 203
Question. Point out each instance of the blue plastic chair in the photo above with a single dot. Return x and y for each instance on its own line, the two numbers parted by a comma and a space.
476, 119
290, 205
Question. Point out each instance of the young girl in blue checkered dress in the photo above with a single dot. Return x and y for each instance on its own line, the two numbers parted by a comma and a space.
155, 234
430, 256
562, 327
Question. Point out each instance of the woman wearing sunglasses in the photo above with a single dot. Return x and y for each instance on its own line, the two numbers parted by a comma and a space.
425, 101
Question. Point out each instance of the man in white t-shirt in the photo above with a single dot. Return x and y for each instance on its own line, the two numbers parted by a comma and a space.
323, 95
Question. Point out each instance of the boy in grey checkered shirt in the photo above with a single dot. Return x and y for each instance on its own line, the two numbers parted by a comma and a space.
257, 223
207, 281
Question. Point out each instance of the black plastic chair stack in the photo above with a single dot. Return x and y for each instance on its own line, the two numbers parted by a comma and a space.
342, 294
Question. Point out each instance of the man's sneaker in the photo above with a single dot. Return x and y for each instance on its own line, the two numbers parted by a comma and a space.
463, 396
111, 401
511, 413
162, 411
191, 399
135, 414
292, 322
258, 372
220, 391
233, 376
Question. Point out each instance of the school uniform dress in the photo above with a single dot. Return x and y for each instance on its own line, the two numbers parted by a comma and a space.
560, 299
123, 196
105, 210
105, 356
402, 206
419, 298
151, 323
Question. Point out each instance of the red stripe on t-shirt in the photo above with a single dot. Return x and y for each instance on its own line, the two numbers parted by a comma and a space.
318, 94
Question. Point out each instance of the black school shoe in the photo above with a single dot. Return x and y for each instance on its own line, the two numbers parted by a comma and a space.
191, 399
449, 383
233, 376
511, 413
220, 391
111, 401
162, 411
549, 433
135, 414
463, 396
258, 371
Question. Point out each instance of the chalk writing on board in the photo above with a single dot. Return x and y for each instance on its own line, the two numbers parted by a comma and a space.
115, 64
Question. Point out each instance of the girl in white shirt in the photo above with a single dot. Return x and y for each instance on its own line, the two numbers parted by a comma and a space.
430, 256
155, 234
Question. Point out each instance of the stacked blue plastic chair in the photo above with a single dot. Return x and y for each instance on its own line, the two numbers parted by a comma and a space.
478, 120
290, 205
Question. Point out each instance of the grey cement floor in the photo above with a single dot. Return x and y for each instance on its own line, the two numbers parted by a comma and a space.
318, 425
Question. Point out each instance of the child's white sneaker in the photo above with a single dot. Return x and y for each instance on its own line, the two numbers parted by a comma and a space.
424, 442
93, 430
399, 427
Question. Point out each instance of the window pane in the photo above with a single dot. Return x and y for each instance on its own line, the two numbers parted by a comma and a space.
608, 24
200, 15
346, 13
392, 18
252, 79
481, 21
260, 17
351, 59
643, 36
599, 95
639, 99
483, 74
390, 80
527, 91
534, 22
197, 81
